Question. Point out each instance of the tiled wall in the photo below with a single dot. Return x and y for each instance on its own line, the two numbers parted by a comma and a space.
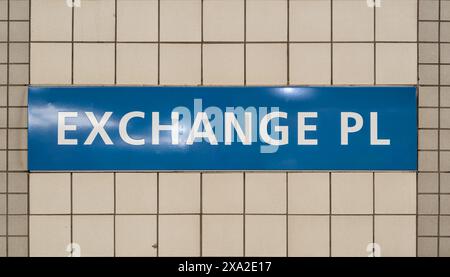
217, 42
434, 129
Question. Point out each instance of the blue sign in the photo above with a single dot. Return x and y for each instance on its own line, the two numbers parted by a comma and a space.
222, 128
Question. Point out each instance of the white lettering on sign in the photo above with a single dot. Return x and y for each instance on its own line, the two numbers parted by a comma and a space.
202, 129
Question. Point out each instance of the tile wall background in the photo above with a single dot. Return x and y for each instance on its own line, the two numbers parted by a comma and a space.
225, 42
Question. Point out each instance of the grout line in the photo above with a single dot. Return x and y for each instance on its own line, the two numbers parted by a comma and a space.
28, 174
157, 214
287, 214
244, 214
439, 131
417, 135
330, 212
7, 126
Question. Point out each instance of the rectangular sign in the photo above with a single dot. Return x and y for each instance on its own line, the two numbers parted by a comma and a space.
222, 128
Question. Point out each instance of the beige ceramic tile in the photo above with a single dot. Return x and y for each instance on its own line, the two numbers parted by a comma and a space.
49, 193
93, 193
309, 193
135, 235
136, 193
351, 235
137, 20
265, 235
396, 235
352, 193
179, 193
49, 236
222, 235
309, 236
51, 63
395, 193
179, 235
266, 20
223, 192
265, 192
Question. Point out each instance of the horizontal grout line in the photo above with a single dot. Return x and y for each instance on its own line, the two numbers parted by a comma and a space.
219, 214
225, 42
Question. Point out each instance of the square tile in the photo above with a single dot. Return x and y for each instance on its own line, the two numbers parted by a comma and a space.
93, 63
352, 21
265, 235
351, 236
18, 31
51, 63
135, 235
428, 139
223, 20
444, 139
309, 236
428, 74
180, 64
93, 193
444, 247
445, 182
428, 31
18, 96
353, 63
396, 235
136, 193
265, 192
223, 64
180, 20
266, 64
50, 193
3, 96
223, 235
17, 160
403, 70
395, 193
428, 118
137, 20
428, 182
445, 31
266, 20
179, 192
18, 225
445, 53
3, 203
17, 138
428, 161
427, 225
17, 247
19, 9
95, 21
428, 52
2, 182
18, 74
310, 63
396, 20
428, 204
352, 193
94, 234
308, 193
137, 64
49, 236
223, 192
310, 20
179, 235
428, 9
445, 118
18, 182
3, 242
17, 204
427, 247
51, 20
18, 52
445, 10
444, 225
444, 161
445, 74
428, 96
445, 204
3, 9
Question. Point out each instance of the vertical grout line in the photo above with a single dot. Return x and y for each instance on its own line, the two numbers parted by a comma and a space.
114, 215
245, 42
243, 215
29, 83
71, 213
330, 211
115, 83
159, 42
287, 214
439, 131
331, 43
201, 213
157, 214
288, 45
201, 43
72, 42
417, 132
7, 128
373, 214
374, 45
